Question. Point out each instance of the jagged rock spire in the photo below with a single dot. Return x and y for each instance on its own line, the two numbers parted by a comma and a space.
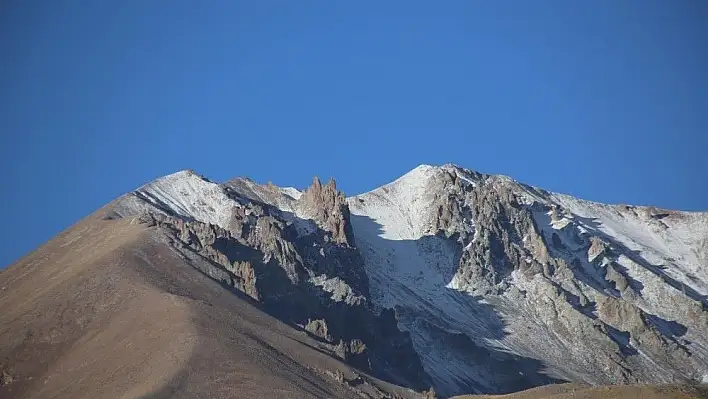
328, 207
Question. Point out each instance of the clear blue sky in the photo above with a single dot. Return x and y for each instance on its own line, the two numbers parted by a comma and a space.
605, 100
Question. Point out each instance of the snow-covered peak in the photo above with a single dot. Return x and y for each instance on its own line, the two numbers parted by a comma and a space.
415, 177
401, 207
185, 194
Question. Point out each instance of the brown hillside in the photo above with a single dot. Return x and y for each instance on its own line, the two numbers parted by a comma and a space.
109, 310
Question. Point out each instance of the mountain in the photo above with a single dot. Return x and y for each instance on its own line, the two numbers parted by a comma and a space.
444, 278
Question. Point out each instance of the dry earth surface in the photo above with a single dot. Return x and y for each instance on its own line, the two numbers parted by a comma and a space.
128, 318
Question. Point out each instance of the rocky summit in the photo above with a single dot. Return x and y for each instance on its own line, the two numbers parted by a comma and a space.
445, 278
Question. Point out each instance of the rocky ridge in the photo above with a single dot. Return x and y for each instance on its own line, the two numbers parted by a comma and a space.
306, 272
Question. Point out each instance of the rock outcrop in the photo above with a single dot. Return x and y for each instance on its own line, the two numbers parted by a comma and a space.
328, 207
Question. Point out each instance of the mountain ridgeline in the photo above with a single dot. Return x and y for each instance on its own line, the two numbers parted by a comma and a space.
444, 278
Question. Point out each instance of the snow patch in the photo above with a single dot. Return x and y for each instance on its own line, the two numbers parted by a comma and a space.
340, 290
292, 192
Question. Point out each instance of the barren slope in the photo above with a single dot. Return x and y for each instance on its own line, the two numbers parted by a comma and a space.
109, 310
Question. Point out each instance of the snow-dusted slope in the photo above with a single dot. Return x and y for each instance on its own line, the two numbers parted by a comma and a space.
417, 271
677, 240
401, 208
191, 196
410, 269
184, 194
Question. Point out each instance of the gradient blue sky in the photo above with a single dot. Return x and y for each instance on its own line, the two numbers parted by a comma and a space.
605, 100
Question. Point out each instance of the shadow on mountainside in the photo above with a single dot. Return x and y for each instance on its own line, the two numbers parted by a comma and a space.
352, 332
452, 331
240, 352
